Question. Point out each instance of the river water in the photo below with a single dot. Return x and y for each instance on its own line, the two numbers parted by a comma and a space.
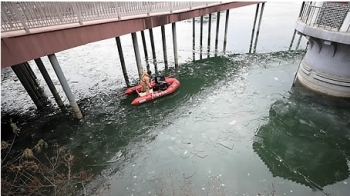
236, 126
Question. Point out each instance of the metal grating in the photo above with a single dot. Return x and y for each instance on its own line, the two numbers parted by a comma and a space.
333, 14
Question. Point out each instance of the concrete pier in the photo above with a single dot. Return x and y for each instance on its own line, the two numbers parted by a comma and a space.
325, 67
258, 30
122, 61
137, 54
226, 26
194, 38
164, 46
65, 86
217, 33
175, 44
209, 34
152, 44
27, 86
201, 38
49, 83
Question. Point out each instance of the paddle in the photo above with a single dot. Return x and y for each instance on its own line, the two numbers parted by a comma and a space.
169, 76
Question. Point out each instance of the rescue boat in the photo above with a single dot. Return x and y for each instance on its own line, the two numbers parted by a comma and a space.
142, 98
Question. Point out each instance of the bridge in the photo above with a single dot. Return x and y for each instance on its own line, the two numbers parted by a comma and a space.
31, 30
50, 27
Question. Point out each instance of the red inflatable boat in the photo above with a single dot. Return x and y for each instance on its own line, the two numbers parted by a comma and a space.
173, 85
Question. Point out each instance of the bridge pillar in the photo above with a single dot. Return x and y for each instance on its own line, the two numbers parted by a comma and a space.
31, 74
209, 32
152, 44
19, 73
65, 86
153, 50
175, 44
194, 38
145, 48
325, 68
217, 32
137, 53
226, 24
164, 46
258, 30
122, 61
49, 83
253, 29
201, 38
31, 78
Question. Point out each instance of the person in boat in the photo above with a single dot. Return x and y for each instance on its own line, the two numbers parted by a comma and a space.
161, 84
145, 82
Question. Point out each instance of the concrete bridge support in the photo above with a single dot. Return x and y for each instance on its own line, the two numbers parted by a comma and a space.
164, 46
49, 83
153, 50
226, 24
145, 48
258, 28
19, 71
32, 80
137, 54
122, 61
65, 86
201, 38
175, 44
194, 38
209, 32
32, 75
325, 68
217, 33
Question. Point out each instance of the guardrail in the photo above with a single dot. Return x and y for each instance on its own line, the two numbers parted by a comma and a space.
29, 15
326, 18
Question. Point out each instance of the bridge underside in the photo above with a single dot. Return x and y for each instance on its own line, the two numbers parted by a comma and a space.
19, 47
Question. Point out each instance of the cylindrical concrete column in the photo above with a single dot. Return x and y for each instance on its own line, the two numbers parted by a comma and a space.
209, 34
226, 26
152, 44
175, 43
31, 73
253, 29
27, 86
164, 46
201, 38
137, 53
217, 32
144, 44
122, 61
49, 83
31, 81
193, 38
257, 31
65, 86
145, 49
325, 68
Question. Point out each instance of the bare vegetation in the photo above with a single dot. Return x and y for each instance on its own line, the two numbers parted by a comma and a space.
33, 172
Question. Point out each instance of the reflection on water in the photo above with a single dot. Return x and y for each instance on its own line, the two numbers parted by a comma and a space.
306, 140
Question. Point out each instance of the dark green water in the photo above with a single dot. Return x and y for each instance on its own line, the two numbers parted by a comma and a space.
235, 126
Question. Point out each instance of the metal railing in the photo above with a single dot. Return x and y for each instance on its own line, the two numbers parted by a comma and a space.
325, 17
29, 15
